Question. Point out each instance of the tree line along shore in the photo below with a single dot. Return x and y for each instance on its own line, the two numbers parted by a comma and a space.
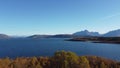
61, 59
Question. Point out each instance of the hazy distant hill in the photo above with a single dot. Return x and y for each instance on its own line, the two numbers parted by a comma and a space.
3, 36
51, 36
39, 36
62, 36
114, 33
86, 33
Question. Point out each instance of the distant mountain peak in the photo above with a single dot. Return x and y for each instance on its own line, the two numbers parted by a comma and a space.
86, 33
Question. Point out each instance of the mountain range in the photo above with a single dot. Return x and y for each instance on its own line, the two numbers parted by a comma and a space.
114, 33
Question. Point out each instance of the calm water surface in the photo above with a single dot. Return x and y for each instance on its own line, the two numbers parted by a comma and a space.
46, 47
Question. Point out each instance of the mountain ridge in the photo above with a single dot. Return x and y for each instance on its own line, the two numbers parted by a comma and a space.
86, 33
4, 36
113, 33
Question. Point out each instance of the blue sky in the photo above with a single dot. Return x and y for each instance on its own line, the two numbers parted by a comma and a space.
27, 17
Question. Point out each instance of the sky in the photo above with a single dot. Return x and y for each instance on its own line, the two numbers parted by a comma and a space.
28, 17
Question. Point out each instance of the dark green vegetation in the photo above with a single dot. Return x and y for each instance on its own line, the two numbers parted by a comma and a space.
98, 39
61, 59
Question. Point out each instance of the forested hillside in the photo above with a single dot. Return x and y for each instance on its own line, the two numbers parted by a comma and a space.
61, 59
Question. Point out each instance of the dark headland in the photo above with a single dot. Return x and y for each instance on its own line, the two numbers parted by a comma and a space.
115, 40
